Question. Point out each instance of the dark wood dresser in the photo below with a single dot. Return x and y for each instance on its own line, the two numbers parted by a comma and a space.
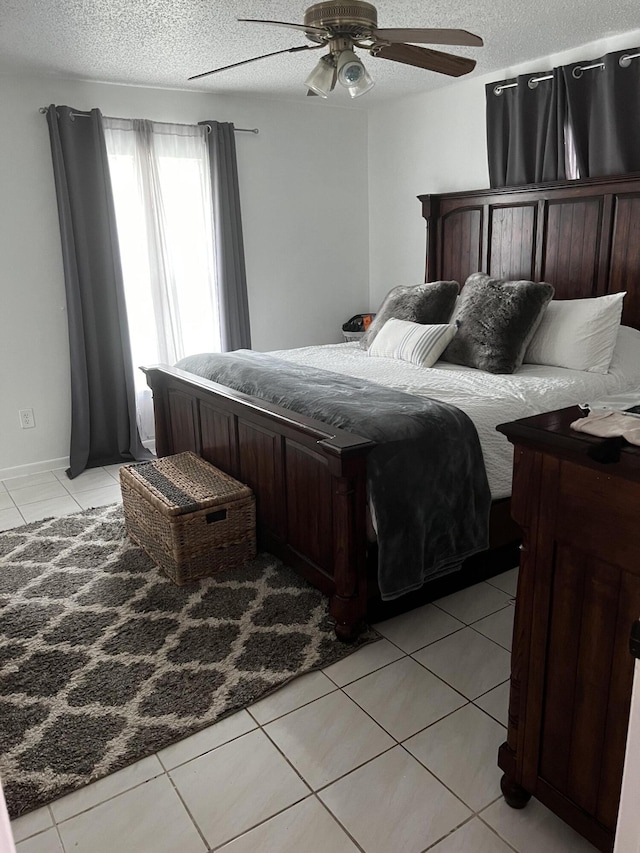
578, 597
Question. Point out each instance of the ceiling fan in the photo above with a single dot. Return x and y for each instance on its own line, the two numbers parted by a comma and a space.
341, 27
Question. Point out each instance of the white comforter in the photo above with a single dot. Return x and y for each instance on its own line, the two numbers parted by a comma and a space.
488, 399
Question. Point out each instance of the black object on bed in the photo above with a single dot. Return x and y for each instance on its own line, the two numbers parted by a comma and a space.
426, 478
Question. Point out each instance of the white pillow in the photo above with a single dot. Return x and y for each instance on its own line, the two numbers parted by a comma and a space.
577, 333
415, 342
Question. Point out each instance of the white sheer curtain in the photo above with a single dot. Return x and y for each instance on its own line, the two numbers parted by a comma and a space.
162, 193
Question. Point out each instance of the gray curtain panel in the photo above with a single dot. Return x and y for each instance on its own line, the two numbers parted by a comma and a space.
230, 265
604, 112
103, 418
525, 130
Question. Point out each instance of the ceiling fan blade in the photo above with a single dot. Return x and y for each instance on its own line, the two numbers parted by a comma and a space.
304, 27
256, 58
421, 36
422, 57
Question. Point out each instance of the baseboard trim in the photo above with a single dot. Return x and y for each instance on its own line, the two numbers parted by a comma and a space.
33, 468
51, 464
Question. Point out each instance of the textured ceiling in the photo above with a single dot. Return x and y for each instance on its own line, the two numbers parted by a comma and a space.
161, 43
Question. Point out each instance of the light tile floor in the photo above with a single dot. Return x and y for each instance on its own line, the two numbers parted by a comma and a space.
52, 493
390, 749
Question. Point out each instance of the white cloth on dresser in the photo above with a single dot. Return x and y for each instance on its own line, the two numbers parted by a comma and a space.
610, 425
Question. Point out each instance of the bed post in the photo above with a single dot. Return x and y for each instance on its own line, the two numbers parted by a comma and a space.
348, 604
160, 411
431, 213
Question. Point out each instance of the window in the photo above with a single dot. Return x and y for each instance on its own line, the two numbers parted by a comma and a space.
162, 195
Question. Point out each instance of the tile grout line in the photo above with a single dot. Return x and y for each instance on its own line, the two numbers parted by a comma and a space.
340, 824
316, 791
186, 808
489, 826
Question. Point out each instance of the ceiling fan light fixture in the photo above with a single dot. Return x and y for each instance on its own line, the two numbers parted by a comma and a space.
323, 77
362, 86
352, 74
350, 68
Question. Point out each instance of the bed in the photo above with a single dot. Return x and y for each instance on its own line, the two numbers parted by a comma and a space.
310, 479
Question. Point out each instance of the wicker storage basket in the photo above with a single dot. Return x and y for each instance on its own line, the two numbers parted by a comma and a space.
192, 519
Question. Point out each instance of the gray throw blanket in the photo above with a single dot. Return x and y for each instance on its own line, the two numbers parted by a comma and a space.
426, 477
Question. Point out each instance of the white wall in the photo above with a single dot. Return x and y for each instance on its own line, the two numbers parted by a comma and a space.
303, 185
433, 143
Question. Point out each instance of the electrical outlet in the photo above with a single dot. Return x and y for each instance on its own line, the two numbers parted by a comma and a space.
27, 421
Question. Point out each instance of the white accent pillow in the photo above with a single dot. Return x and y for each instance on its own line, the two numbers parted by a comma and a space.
579, 334
420, 344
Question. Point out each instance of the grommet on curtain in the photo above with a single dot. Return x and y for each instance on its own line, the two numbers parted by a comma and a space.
532, 82
625, 59
499, 89
577, 71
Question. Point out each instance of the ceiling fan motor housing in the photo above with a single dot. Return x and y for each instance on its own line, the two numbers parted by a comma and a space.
355, 20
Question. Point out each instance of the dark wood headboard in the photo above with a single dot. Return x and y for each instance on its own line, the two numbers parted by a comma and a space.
581, 236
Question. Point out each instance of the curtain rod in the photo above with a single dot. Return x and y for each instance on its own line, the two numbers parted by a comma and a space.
623, 62
44, 111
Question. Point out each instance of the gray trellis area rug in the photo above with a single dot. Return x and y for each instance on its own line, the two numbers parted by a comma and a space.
103, 660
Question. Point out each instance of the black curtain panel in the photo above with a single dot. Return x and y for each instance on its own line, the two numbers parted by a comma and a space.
103, 418
227, 222
603, 103
525, 124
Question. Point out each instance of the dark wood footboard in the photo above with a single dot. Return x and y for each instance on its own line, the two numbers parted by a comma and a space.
309, 479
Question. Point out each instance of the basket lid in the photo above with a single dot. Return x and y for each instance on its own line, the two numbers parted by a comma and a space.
186, 482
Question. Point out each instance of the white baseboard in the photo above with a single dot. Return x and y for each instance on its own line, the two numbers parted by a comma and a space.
33, 468
51, 464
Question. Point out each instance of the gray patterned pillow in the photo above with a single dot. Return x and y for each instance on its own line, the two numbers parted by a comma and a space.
430, 303
497, 320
